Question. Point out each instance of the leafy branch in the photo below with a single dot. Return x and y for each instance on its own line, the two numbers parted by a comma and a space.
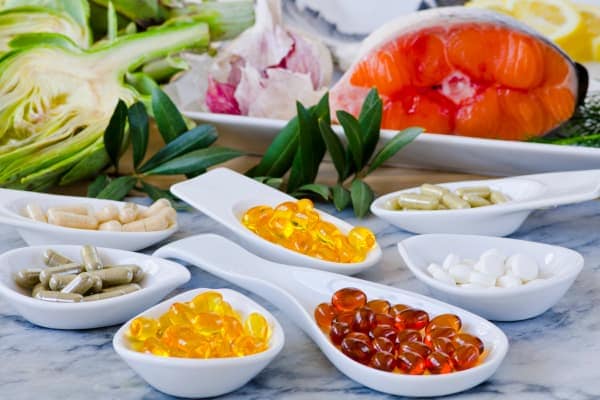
186, 151
301, 146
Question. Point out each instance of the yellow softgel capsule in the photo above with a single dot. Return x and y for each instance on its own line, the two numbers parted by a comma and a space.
299, 241
361, 238
207, 302
257, 216
207, 324
324, 252
202, 350
221, 347
326, 232
154, 346
180, 313
182, 338
232, 328
246, 345
281, 224
305, 205
257, 326
142, 328
163, 323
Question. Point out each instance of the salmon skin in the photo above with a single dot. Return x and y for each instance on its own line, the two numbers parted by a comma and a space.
464, 71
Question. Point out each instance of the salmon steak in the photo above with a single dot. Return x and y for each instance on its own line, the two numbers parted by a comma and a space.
465, 72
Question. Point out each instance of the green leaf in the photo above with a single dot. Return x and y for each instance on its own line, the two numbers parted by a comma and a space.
87, 167
195, 161
370, 123
353, 134
401, 139
168, 119
197, 138
114, 133
279, 156
322, 110
118, 188
273, 182
362, 197
138, 129
112, 24
316, 188
341, 197
141, 82
335, 147
97, 186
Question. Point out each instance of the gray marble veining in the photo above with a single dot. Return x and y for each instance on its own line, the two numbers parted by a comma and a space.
552, 357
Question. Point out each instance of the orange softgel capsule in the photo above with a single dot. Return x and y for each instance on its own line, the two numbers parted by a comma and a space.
205, 327
298, 227
324, 314
348, 299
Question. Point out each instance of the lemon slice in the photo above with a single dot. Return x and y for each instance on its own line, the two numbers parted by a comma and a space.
596, 49
559, 20
494, 5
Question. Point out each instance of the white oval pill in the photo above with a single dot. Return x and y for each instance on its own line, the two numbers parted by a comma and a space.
491, 262
482, 279
460, 273
550, 267
523, 266
508, 281
450, 261
438, 273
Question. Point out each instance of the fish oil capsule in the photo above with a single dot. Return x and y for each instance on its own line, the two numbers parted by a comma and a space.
417, 201
410, 363
180, 313
409, 335
58, 297
58, 282
482, 191
155, 207
108, 212
379, 306
36, 289
72, 220
128, 213
27, 278
364, 320
475, 200
361, 238
463, 339
451, 321
65, 269
141, 328
154, 346
34, 212
412, 319
112, 225
207, 301
80, 284
497, 197
91, 258
384, 320
358, 347
383, 361
207, 323
340, 327
415, 347
53, 259
443, 345
123, 289
454, 202
384, 331
257, 326
433, 190
246, 345
465, 357
397, 309
114, 276
232, 328
435, 333
439, 363
348, 299
384, 344
324, 314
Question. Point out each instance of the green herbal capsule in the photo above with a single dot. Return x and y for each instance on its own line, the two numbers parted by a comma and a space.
138, 272
476, 201
103, 295
482, 191
53, 259
114, 276
417, 201
97, 286
452, 201
498, 197
91, 259
58, 282
81, 284
433, 190
66, 269
123, 289
27, 278
36, 289
58, 297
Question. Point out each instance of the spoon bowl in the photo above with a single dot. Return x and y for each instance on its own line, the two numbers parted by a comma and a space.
297, 291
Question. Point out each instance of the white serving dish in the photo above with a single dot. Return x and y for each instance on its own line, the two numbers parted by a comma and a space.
497, 304
527, 193
186, 377
35, 233
161, 278
225, 195
297, 291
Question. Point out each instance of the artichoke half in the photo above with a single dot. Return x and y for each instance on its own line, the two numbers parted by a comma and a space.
56, 100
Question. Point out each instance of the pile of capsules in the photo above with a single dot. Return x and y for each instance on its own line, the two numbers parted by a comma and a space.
129, 218
67, 281
298, 227
433, 197
396, 337
205, 327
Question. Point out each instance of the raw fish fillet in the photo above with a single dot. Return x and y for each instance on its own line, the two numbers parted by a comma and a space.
466, 72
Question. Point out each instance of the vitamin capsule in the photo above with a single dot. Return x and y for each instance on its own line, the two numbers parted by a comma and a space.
102, 296
348, 299
451, 321
257, 216
358, 347
443, 345
150, 224
418, 201
383, 361
157, 206
53, 259
27, 278
409, 335
465, 357
454, 202
36, 289
323, 251
414, 347
476, 201
364, 320
181, 314
257, 326
65, 269
391, 204
324, 314
305, 205
340, 327
498, 197
411, 319
123, 289
384, 320
34, 212
207, 323
482, 191
410, 363
207, 301
444, 332
114, 276
383, 331
58, 282
397, 309
107, 213
181, 337
141, 328
80, 284
379, 306
169, 214
80, 209
433, 190
463, 339
438, 363
96, 285
154, 346
113, 226
58, 297
128, 213
138, 272
232, 328
246, 345
91, 259
361, 238
221, 347
72, 220
450, 261
384, 344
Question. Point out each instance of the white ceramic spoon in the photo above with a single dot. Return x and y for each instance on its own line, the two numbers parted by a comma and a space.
297, 291
12, 203
527, 193
225, 195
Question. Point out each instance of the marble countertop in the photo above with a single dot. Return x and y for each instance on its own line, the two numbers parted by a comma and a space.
554, 356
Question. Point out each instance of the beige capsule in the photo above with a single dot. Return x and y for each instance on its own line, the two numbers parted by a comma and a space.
27, 278
418, 201
391, 204
80, 284
98, 285
123, 289
34, 212
91, 259
156, 207
138, 272
453, 201
102, 296
53, 259
169, 214
58, 297
58, 282
72, 220
433, 190
36, 289
107, 213
150, 224
128, 213
482, 191
114, 276
113, 225
476, 201
65, 269
80, 209
497, 197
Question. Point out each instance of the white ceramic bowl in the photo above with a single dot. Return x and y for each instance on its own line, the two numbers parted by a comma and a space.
225, 195
12, 202
185, 377
497, 304
161, 278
